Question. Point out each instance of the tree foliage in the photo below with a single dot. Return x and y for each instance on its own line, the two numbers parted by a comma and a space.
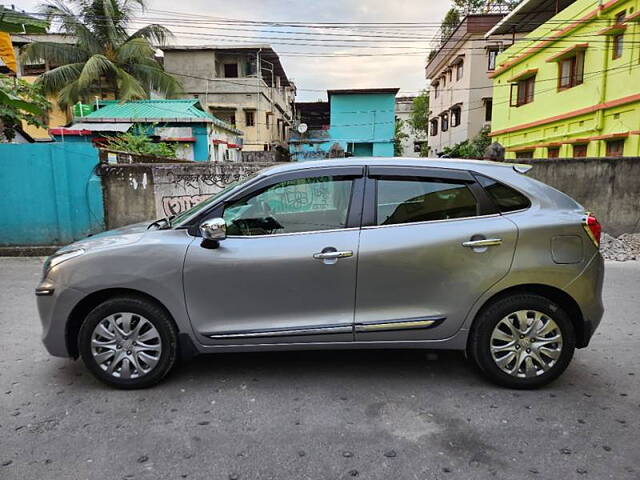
449, 23
106, 59
137, 141
419, 119
399, 136
474, 148
20, 101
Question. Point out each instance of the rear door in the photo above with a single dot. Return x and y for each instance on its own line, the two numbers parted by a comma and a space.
432, 242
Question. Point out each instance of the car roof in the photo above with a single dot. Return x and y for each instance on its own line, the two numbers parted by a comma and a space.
453, 163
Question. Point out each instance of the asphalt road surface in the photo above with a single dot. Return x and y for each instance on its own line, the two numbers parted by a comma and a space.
319, 415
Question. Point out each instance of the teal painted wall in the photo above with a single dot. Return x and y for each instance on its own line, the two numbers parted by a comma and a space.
50, 193
362, 123
363, 118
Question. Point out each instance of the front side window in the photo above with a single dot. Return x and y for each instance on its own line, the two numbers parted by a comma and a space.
444, 122
302, 205
571, 71
413, 200
459, 70
553, 152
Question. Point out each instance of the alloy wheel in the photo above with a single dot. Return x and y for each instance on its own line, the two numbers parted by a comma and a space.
126, 345
526, 343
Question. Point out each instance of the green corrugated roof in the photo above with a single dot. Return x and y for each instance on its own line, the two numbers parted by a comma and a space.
161, 110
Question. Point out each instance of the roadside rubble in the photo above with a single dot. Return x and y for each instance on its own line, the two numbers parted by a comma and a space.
625, 247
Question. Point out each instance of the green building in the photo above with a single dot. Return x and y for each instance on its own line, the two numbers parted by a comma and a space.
570, 87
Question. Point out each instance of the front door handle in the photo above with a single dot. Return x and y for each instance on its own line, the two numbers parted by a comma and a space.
333, 255
485, 242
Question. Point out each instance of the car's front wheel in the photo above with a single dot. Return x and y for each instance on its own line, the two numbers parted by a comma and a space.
128, 342
522, 341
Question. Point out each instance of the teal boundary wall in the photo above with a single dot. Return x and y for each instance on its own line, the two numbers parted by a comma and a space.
49, 193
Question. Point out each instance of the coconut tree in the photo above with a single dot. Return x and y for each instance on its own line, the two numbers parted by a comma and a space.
107, 58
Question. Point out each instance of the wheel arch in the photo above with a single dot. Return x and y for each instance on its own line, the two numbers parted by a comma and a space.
556, 295
88, 303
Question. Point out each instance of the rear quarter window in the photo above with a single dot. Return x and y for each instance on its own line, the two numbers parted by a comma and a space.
506, 198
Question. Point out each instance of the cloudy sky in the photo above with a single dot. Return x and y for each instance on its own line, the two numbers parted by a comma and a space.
357, 56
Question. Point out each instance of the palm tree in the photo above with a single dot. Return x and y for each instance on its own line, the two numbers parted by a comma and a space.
106, 60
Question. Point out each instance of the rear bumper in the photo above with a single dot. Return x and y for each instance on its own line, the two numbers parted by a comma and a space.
54, 313
586, 289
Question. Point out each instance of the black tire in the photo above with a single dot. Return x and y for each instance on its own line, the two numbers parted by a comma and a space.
491, 315
152, 312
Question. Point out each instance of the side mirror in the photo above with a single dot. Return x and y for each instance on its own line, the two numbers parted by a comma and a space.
214, 229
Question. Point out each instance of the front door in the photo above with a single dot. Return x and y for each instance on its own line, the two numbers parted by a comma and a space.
286, 272
419, 271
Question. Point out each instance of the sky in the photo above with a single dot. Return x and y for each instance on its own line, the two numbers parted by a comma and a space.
395, 55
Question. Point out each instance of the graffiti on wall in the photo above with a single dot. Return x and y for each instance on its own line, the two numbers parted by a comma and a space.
180, 187
174, 205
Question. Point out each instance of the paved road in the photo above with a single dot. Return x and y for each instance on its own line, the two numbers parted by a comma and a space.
319, 415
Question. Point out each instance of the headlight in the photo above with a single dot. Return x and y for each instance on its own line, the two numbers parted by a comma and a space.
57, 258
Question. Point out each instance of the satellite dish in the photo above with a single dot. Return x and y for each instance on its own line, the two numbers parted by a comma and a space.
302, 128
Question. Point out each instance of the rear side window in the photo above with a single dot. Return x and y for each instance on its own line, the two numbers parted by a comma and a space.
421, 200
506, 198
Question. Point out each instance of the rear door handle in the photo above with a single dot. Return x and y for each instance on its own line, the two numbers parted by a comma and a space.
486, 242
333, 255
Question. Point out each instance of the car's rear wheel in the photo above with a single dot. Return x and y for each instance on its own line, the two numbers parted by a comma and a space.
128, 342
522, 341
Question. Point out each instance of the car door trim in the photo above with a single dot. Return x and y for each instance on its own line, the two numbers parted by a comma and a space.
283, 332
401, 324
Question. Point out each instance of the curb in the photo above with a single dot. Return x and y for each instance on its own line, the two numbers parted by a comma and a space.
30, 251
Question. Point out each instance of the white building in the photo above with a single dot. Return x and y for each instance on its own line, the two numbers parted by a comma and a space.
412, 144
460, 97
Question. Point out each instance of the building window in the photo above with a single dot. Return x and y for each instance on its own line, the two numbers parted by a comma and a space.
524, 91
436, 88
488, 109
571, 71
268, 121
524, 154
492, 56
456, 113
249, 118
620, 17
618, 45
580, 150
444, 119
444, 80
449, 74
459, 70
615, 148
230, 70
434, 127
553, 152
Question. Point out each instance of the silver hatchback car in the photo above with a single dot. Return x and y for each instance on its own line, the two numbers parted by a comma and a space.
343, 253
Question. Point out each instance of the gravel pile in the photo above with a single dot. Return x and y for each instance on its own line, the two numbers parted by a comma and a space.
625, 247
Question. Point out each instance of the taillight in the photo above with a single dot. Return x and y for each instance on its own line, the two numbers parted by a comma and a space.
592, 227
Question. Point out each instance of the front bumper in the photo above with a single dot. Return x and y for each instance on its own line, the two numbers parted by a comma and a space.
55, 309
586, 290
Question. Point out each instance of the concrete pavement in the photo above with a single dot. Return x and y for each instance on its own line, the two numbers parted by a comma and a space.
319, 415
